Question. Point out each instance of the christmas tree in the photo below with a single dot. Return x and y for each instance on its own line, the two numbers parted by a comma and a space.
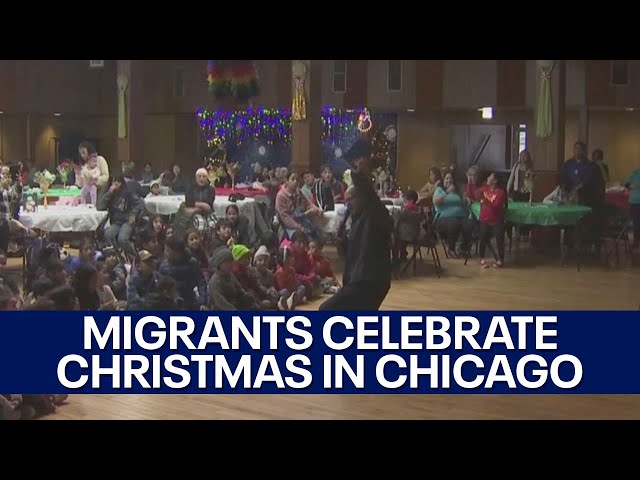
379, 148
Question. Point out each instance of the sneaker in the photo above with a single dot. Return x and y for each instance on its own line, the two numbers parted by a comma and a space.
291, 302
282, 304
304, 299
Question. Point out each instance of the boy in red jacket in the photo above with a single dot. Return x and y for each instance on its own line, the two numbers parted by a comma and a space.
303, 265
493, 203
322, 268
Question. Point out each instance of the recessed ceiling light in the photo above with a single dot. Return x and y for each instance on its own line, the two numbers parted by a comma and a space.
1, 112
630, 109
411, 109
57, 114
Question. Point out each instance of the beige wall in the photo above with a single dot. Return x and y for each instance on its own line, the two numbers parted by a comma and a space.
378, 95
470, 83
13, 137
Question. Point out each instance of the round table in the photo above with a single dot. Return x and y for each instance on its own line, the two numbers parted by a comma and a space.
57, 218
541, 214
169, 204
331, 220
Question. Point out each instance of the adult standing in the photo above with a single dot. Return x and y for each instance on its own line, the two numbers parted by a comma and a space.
516, 185
86, 150
367, 272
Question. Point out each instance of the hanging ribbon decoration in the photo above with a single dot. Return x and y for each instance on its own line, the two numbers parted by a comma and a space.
123, 82
233, 79
299, 107
544, 120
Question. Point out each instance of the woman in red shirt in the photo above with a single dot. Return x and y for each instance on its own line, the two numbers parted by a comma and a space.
493, 202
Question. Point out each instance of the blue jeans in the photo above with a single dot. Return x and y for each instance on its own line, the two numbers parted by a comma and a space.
120, 236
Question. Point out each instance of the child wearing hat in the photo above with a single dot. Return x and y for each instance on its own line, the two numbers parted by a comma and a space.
248, 279
225, 292
154, 190
283, 299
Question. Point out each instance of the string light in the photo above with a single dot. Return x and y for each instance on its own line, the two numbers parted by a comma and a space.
271, 125
364, 121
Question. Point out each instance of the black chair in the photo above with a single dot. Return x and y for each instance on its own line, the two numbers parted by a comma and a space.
414, 232
616, 231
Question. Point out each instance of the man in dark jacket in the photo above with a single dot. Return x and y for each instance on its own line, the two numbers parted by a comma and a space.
123, 207
367, 274
144, 281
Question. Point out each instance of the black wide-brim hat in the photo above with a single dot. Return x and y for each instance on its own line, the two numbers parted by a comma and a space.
360, 149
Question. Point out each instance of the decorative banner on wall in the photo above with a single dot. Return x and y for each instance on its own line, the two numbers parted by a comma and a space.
233, 78
544, 117
299, 109
123, 81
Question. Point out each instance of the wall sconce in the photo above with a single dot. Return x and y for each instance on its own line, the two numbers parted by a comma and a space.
487, 113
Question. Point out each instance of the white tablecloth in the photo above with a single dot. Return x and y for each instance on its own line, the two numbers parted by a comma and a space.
331, 220
57, 218
169, 204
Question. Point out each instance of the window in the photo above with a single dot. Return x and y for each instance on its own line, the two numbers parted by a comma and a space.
619, 73
178, 83
339, 76
522, 139
96, 63
394, 75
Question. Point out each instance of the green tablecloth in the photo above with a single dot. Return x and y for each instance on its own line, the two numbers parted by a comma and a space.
58, 192
546, 215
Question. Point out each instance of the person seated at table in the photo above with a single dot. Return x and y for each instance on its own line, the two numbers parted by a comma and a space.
241, 230
144, 281
224, 290
199, 202
196, 249
181, 266
493, 203
452, 217
154, 189
516, 185
123, 207
295, 212
147, 174
597, 157
86, 254
128, 168
166, 180
329, 190
222, 236
633, 184
562, 194
434, 181
410, 201
178, 183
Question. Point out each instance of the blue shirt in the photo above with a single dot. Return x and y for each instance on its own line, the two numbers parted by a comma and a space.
452, 207
634, 179
577, 172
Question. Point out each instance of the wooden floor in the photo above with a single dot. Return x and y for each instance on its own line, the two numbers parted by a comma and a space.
535, 283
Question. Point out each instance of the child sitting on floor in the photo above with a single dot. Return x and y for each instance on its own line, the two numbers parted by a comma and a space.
322, 268
247, 278
225, 292
194, 244
286, 278
283, 299
304, 266
222, 236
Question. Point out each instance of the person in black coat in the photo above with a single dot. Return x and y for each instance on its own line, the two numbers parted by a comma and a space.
184, 269
367, 246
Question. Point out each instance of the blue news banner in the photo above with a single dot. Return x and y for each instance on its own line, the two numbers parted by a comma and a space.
320, 352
